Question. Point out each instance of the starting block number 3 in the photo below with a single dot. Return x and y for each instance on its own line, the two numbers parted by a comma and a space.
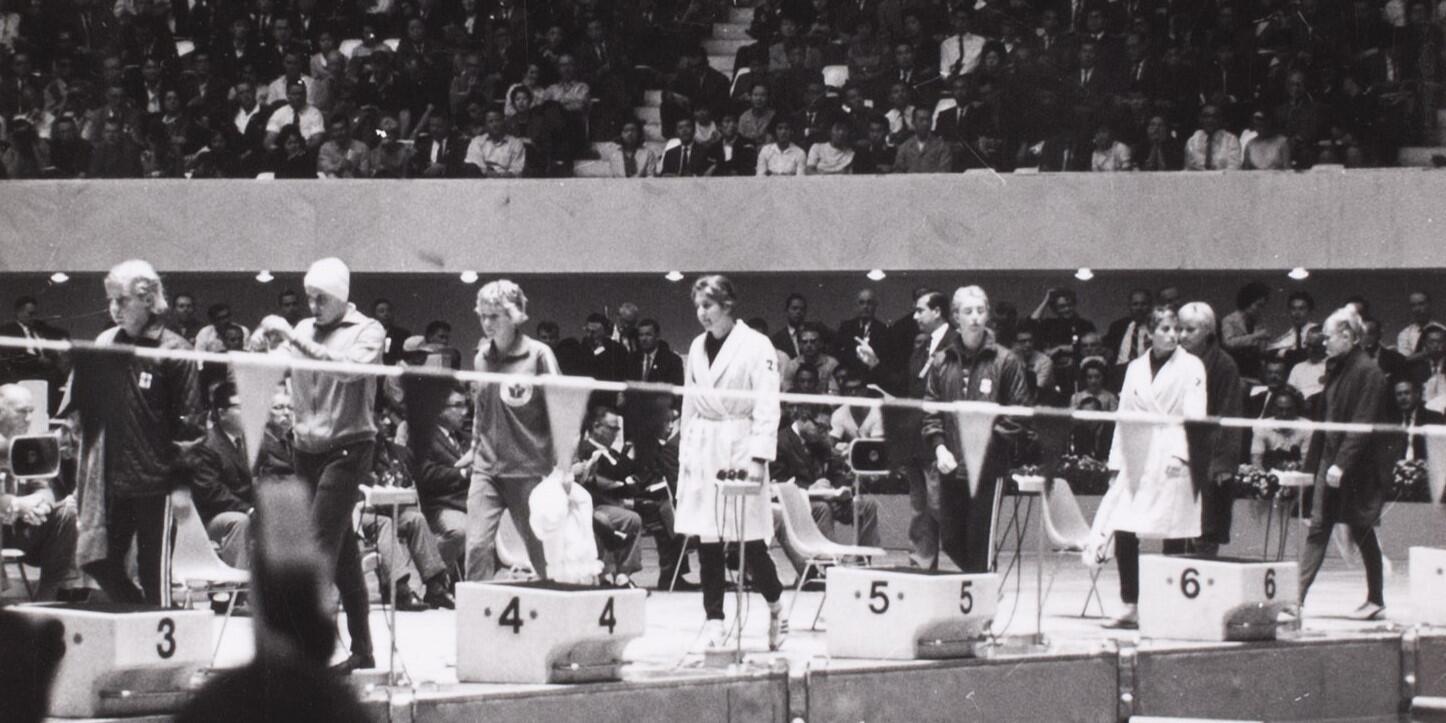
1190, 583
879, 597
511, 617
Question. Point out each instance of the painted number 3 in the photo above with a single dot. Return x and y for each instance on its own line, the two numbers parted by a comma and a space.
167, 647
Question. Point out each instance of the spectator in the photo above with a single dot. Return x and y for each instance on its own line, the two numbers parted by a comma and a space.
782, 158
1159, 151
610, 477
1409, 342
38, 517
28, 156
834, 157
810, 355
873, 154
442, 480
756, 122
396, 334
633, 159
1390, 361
341, 156
803, 458
864, 328
1267, 149
221, 482
735, 154
1094, 373
496, 154
924, 152
1277, 447
900, 114
209, 338
306, 118
795, 310
1413, 413
1429, 369
1063, 326
959, 53
439, 150
1241, 333
1212, 147
687, 158
1109, 154
1038, 366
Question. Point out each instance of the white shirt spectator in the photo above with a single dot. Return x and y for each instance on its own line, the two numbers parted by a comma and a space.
824, 158
243, 118
1117, 158
1308, 377
506, 154
775, 161
208, 339
1221, 153
276, 90
963, 50
1408, 342
311, 122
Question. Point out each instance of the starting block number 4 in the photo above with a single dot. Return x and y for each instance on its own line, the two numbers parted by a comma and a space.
1190, 598
544, 632
905, 614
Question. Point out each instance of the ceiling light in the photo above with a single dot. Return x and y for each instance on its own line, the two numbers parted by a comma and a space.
674, 276
876, 275
265, 276
1084, 274
59, 277
1299, 274
468, 277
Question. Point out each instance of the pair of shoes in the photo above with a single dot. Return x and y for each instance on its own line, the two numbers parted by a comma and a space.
355, 661
408, 602
715, 635
1368, 611
777, 627
1130, 620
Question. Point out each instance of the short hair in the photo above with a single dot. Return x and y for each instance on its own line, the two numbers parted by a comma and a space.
601, 412
24, 301
936, 300
967, 292
1149, 295
1200, 310
506, 294
220, 395
1251, 293
1159, 314
812, 327
1301, 295
716, 287
1348, 316
1065, 293
138, 278
805, 367
440, 325
548, 326
791, 297
652, 323
379, 302
596, 318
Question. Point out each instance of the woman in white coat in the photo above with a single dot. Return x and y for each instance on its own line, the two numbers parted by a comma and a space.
1152, 497
728, 440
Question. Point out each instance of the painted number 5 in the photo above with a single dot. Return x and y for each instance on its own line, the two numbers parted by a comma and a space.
966, 598
879, 597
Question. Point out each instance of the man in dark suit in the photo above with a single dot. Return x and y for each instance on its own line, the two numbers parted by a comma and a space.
664, 469
1352, 470
1412, 413
735, 154
695, 84
611, 478
440, 152
32, 363
1389, 360
1128, 337
221, 482
903, 426
1429, 370
687, 158
442, 480
803, 457
795, 310
646, 414
864, 327
873, 154
817, 116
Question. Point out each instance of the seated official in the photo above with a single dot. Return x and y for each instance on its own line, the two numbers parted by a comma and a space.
390, 469
221, 481
1276, 448
442, 479
803, 457
611, 478
848, 423
39, 517
1413, 413
274, 461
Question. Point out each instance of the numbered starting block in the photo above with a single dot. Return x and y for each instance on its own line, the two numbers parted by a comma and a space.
1428, 584
125, 660
544, 632
904, 613
1217, 599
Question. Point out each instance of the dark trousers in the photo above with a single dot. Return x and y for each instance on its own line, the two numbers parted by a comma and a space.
50, 546
333, 478
1217, 506
1364, 536
759, 567
1127, 556
659, 514
965, 522
143, 518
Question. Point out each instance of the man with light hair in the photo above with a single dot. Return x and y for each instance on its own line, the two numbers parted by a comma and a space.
1352, 470
35, 522
625, 332
1224, 397
971, 367
334, 431
511, 436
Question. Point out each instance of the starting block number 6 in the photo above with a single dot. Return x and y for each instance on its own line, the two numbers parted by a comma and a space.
879, 597
1190, 583
511, 617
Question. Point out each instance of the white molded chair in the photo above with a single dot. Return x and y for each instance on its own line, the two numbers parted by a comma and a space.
818, 551
194, 564
512, 550
347, 46
1068, 532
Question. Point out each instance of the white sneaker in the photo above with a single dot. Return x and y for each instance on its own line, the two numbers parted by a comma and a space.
715, 635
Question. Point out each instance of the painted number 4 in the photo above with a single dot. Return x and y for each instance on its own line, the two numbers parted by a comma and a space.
608, 619
512, 616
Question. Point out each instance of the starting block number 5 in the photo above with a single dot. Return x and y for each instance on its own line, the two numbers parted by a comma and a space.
1190, 583
511, 617
879, 597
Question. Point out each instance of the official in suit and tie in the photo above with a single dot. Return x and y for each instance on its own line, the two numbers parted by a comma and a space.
646, 414
864, 327
32, 362
1412, 414
1129, 338
222, 485
903, 425
795, 310
441, 479
687, 158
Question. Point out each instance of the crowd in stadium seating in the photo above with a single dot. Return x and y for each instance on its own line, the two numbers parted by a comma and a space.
1069, 360
503, 88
